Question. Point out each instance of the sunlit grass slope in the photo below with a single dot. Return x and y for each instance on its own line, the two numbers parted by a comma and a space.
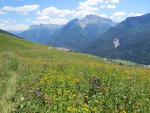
36, 79
11, 43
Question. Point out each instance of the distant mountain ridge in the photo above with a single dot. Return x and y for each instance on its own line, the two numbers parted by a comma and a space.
40, 33
77, 34
94, 26
129, 40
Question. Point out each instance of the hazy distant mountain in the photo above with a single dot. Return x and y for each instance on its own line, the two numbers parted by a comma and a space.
6, 32
80, 33
40, 33
129, 40
15, 32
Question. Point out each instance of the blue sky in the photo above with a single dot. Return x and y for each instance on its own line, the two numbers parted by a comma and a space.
20, 14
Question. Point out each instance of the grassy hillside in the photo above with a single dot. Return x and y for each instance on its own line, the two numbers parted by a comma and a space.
36, 79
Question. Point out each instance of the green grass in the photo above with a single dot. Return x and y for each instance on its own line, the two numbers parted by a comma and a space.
35, 79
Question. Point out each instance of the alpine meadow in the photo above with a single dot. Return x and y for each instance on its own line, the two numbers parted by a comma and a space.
73, 56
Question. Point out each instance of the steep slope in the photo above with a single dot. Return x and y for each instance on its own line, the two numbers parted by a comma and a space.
10, 42
70, 36
40, 33
129, 40
80, 33
9, 33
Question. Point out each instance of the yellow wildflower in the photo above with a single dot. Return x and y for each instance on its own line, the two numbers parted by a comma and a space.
86, 108
71, 109
124, 112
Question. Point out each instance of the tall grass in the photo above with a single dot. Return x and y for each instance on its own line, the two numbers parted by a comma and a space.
35, 79
8, 82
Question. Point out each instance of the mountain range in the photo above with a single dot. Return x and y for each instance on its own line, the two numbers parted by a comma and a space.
79, 33
128, 40
40, 33
76, 34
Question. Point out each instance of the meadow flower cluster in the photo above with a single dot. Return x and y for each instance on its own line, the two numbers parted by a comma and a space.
82, 88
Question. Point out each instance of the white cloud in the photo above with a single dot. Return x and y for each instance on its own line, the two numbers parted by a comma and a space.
90, 4
97, 2
43, 18
114, 1
61, 16
110, 6
21, 9
84, 8
48, 20
103, 15
82, 13
6, 25
2, 12
2, 24
135, 14
17, 27
118, 16
53, 15
56, 15
94, 6
54, 12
